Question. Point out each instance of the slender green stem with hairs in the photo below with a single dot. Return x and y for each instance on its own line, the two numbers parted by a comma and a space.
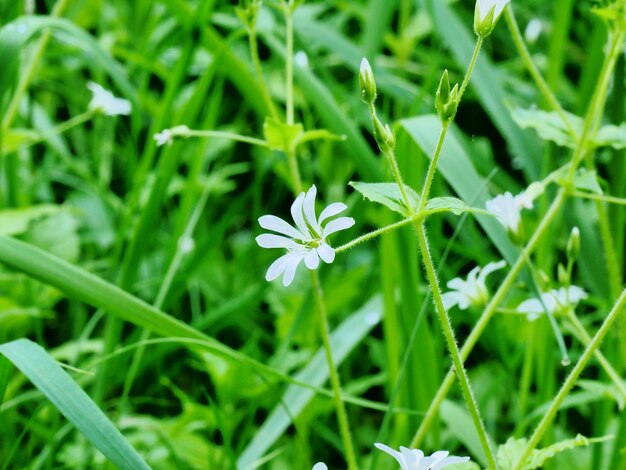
453, 349
432, 168
486, 316
224, 135
590, 350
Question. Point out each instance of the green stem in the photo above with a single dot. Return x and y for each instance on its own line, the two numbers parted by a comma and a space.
486, 316
432, 168
571, 380
342, 416
376, 233
598, 197
516, 35
584, 338
225, 135
254, 52
63, 127
453, 349
289, 62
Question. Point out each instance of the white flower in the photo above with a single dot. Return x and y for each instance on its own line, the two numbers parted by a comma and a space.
484, 21
320, 466
413, 459
166, 136
306, 242
104, 101
472, 291
554, 300
507, 209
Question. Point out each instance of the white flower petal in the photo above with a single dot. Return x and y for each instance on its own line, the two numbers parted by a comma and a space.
450, 299
277, 267
320, 466
489, 268
269, 240
333, 226
410, 458
312, 260
506, 210
394, 453
326, 253
309, 210
332, 210
298, 216
449, 461
290, 268
276, 224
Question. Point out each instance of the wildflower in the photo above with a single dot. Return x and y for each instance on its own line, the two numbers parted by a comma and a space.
320, 466
556, 301
104, 101
413, 459
307, 241
472, 291
367, 82
507, 209
166, 136
486, 15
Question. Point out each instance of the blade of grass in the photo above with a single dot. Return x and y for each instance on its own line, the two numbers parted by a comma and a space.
67, 396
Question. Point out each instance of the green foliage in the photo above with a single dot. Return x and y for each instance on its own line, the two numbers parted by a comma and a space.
136, 266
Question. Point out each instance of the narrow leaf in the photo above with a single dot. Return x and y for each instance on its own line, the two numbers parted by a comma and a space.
46, 374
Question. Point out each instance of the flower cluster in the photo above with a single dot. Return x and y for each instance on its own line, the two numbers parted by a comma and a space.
470, 292
555, 301
304, 242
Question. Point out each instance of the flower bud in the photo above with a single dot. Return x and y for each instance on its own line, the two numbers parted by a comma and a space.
385, 138
573, 244
367, 82
486, 15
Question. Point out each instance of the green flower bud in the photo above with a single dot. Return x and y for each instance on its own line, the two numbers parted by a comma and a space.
385, 138
367, 82
486, 15
573, 244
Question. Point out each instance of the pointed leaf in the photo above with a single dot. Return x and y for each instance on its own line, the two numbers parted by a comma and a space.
387, 194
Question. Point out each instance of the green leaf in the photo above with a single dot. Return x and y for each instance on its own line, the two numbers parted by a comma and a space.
452, 204
612, 136
388, 194
17, 221
548, 125
587, 180
46, 374
282, 136
511, 451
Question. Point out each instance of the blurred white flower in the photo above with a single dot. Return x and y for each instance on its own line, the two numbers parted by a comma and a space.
320, 466
413, 459
104, 101
472, 291
533, 30
166, 136
301, 59
306, 242
555, 301
507, 209
484, 21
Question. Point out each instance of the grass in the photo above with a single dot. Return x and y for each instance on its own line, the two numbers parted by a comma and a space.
136, 326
